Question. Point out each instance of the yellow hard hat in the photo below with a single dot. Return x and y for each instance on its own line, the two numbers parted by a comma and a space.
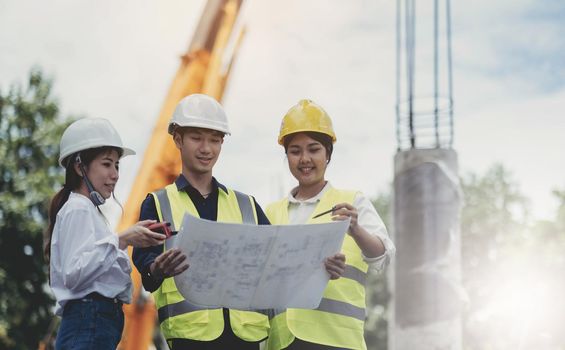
306, 116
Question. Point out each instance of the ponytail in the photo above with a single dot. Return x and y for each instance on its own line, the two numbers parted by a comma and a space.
72, 182
57, 203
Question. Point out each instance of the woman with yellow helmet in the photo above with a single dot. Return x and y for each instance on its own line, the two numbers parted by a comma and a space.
307, 136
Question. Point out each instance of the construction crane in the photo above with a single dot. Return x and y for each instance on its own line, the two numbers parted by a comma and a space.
204, 68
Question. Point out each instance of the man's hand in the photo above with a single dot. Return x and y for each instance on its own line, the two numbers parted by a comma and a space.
169, 264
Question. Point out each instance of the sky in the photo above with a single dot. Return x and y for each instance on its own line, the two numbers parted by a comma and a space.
117, 59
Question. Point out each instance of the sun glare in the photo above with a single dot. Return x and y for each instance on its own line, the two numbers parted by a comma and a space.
522, 307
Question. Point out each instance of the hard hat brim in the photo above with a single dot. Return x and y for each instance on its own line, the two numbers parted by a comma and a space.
126, 152
195, 124
282, 136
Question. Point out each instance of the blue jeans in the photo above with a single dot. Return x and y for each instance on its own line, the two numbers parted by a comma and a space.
90, 324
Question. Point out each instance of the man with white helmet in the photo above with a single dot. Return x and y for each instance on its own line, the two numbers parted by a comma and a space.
198, 127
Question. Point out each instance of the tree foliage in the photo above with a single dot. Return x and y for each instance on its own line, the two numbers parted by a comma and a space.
378, 293
29, 175
511, 266
560, 217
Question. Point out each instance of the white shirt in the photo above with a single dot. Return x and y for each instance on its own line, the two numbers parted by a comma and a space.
300, 211
85, 255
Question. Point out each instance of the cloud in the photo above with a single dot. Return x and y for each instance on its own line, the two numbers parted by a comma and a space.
520, 41
117, 60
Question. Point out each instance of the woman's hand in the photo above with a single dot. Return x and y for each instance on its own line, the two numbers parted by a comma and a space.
169, 264
343, 211
140, 236
335, 265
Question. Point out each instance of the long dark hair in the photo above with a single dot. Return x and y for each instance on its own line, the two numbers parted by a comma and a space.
324, 139
72, 183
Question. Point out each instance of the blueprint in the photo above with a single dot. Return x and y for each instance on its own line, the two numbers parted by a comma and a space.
246, 267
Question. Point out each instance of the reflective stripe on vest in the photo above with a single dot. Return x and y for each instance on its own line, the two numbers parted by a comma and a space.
335, 307
165, 205
338, 321
342, 308
176, 309
180, 318
355, 274
247, 212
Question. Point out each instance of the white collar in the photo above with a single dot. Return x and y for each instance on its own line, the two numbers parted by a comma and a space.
315, 199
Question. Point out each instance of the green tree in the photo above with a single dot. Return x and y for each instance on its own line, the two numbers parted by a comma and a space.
493, 214
511, 266
560, 217
29, 175
378, 294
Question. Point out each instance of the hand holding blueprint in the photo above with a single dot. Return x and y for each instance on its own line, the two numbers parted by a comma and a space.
247, 267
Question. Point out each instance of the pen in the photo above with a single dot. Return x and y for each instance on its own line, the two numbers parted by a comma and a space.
324, 212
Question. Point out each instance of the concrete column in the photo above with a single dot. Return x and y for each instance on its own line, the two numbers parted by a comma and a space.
426, 279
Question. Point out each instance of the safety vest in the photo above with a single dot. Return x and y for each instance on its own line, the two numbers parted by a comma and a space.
180, 319
340, 318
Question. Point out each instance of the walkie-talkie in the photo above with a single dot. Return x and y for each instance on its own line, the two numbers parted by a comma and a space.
163, 228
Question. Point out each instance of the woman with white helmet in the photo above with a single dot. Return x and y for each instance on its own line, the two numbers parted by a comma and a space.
307, 136
88, 263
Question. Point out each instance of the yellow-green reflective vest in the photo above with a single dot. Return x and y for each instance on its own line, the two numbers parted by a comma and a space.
340, 318
179, 318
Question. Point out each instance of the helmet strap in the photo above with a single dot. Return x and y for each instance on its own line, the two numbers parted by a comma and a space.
95, 196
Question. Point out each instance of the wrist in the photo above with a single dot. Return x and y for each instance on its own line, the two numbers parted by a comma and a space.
122, 242
354, 232
153, 273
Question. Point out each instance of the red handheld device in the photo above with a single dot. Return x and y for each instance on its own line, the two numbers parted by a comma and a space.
163, 228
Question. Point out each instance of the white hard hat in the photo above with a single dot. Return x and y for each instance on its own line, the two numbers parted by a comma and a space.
199, 111
90, 133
